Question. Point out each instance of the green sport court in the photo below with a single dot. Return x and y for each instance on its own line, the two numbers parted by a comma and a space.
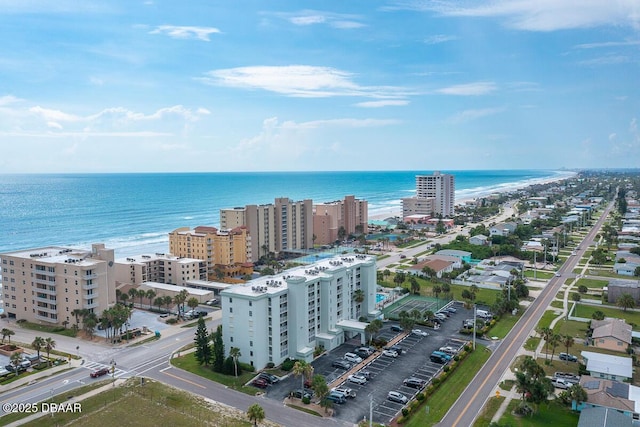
413, 302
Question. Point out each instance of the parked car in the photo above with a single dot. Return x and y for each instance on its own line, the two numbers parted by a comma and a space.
414, 382
396, 328
342, 364
260, 383
419, 332
12, 368
567, 377
364, 352
336, 397
352, 357
560, 383
390, 353
448, 349
396, 348
440, 316
365, 374
212, 301
357, 379
568, 357
398, 397
451, 310
348, 392
300, 394
100, 372
271, 379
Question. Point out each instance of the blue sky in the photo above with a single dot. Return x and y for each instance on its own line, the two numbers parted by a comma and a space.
146, 86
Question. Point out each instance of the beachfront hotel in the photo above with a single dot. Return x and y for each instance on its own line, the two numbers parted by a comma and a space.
45, 285
288, 315
349, 215
278, 227
225, 252
435, 194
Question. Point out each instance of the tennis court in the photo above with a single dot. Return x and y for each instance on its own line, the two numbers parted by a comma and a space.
414, 302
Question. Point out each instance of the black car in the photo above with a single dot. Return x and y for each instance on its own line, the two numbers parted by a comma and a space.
414, 382
12, 368
568, 357
396, 348
299, 394
341, 364
271, 379
396, 328
437, 359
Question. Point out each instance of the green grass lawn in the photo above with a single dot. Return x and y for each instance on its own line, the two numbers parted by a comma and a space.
60, 330
440, 402
593, 283
147, 405
605, 273
488, 411
548, 414
557, 304
632, 317
547, 317
502, 328
540, 275
532, 343
189, 363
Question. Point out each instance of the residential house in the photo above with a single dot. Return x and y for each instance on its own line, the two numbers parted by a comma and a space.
597, 416
618, 287
609, 394
479, 240
609, 367
462, 255
610, 334
440, 267
503, 229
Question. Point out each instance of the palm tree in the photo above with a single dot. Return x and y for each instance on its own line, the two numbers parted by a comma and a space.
133, 293
436, 289
150, 294
555, 340
546, 334
15, 360
192, 302
38, 343
6, 333
625, 301
180, 299
159, 302
255, 414
567, 341
49, 344
415, 286
167, 300
303, 369
234, 352
358, 296
124, 297
77, 313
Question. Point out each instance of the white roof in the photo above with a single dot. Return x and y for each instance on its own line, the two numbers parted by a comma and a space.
608, 364
176, 288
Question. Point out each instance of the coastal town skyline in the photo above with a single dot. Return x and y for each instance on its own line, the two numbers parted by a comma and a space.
155, 87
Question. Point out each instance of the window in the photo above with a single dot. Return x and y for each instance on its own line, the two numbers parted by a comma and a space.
230, 309
230, 300
249, 303
250, 313
250, 343
251, 353
230, 339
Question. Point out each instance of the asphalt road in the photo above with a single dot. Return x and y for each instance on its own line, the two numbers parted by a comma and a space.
470, 403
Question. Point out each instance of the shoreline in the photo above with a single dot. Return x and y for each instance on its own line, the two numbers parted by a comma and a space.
397, 211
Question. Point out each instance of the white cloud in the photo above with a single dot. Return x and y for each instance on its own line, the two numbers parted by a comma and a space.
8, 100
299, 81
537, 15
316, 17
606, 60
186, 32
54, 115
468, 115
439, 38
469, 89
608, 44
384, 103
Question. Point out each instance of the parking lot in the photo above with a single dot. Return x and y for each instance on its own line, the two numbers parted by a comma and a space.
385, 373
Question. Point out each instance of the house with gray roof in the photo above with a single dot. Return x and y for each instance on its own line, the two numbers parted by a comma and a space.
503, 229
609, 367
611, 334
597, 416
603, 393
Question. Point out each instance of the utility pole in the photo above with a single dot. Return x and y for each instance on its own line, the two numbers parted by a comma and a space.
474, 326
370, 410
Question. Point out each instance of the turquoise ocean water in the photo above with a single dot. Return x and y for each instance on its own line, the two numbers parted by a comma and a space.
133, 213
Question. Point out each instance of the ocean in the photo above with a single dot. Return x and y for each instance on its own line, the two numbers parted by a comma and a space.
133, 213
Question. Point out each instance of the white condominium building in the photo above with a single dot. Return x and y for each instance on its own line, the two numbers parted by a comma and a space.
435, 192
46, 285
275, 317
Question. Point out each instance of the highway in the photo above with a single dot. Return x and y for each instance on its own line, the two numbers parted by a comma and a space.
469, 404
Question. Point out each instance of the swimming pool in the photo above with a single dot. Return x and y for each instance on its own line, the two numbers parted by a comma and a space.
380, 298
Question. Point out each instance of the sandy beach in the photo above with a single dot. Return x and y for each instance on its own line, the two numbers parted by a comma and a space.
397, 211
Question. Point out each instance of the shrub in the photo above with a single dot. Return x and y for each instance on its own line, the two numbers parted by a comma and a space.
306, 400
270, 365
456, 357
287, 365
171, 321
405, 412
446, 369
420, 397
435, 381
245, 367
228, 367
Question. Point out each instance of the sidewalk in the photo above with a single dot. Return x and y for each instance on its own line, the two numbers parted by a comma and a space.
26, 379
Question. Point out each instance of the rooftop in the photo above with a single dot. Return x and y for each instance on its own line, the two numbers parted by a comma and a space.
55, 255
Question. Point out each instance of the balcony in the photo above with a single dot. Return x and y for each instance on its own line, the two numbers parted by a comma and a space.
45, 299
45, 291
92, 305
89, 296
47, 310
44, 282
46, 319
87, 287
89, 276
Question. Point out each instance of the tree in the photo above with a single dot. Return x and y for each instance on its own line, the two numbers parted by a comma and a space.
399, 278
124, 297
133, 293
77, 312
255, 413
567, 341
436, 289
428, 271
303, 369
577, 393
636, 272
625, 301
203, 349
38, 343
583, 289
192, 302
576, 297
406, 321
150, 294
358, 296
373, 328
7, 333
320, 387
167, 300
555, 340
234, 353
89, 324
415, 286
15, 360
49, 344
546, 333
180, 299
158, 302
218, 350
597, 315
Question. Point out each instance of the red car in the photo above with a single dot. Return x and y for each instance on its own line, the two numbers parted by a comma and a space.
260, 383
100, 372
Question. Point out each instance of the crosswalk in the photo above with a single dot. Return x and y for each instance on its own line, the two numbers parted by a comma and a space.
94, 366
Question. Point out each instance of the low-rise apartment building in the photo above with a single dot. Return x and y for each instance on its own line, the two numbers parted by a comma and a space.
275, 317
45, 285
160, 268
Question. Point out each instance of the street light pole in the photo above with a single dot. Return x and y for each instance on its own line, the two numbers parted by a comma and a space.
113, 371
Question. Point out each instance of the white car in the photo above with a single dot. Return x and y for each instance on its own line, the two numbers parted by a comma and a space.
394, 396
390, 353
448, 350
356, 379
353, 358
419, 332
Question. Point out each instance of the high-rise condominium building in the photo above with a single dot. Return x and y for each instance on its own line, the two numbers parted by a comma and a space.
289, 315
435, 194
346, 216
226, 252
46, 285
281, 226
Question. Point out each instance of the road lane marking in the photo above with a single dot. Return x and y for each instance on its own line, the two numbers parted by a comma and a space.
187, 381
